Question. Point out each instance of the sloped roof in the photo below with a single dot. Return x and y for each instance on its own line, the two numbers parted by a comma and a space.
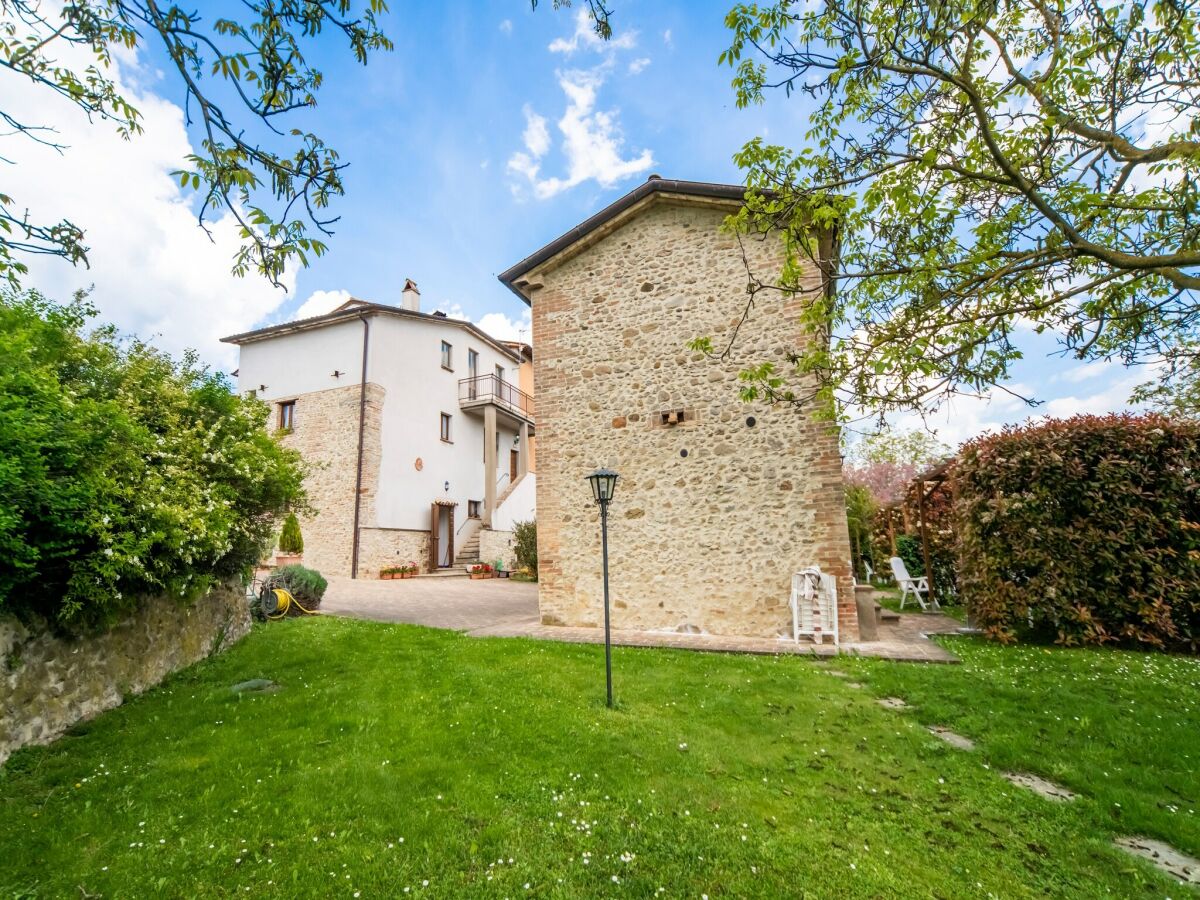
654, 185
356, 309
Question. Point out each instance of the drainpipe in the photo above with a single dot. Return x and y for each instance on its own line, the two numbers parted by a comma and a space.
362, 424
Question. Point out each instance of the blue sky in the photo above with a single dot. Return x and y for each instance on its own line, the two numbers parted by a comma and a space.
490, 130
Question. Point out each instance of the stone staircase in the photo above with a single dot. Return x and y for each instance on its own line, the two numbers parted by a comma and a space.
468, 553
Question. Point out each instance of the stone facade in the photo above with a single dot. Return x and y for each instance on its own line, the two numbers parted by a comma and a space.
497, 545
382, 548
48, 683
712, 515
326, 435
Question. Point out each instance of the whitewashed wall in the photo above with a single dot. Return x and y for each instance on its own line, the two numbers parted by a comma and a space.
519, 506
405, 360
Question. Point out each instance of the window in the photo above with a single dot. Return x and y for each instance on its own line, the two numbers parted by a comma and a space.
473, 508
447, 356
446, 427
472, 363
287, 415
500, 372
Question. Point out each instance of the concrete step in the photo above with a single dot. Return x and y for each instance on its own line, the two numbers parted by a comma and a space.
452, 572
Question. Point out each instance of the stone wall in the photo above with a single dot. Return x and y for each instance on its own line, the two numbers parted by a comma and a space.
382, 548
494, 545
326, 435
48, 683
712, 515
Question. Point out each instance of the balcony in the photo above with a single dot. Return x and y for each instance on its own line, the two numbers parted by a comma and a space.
485, 390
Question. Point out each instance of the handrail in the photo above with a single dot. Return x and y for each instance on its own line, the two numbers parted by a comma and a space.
493, 389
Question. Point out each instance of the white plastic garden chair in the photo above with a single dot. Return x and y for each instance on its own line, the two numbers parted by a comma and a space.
909, 585
814, 605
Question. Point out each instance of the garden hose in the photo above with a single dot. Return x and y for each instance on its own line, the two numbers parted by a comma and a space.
283, 601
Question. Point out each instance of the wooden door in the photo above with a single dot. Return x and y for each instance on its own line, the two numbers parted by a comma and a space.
514, 465
434, 528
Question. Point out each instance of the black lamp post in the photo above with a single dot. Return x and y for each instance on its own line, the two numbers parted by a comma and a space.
604, 484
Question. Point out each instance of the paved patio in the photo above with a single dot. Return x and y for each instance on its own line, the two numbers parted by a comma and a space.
457, 603
498, 607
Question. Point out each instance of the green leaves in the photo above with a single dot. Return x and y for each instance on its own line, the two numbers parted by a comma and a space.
122, 472
984, 168
260, 175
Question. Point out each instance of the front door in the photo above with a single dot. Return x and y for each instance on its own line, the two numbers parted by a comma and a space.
446, 537
441, 536
514, 465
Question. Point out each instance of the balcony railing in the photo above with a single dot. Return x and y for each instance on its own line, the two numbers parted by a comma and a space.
494, 389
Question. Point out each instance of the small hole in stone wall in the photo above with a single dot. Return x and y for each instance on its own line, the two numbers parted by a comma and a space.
751, 421
683, 453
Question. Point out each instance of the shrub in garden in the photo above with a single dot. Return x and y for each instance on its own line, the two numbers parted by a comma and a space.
525, 546
290, 539
1086, 530
122, 472
306, 585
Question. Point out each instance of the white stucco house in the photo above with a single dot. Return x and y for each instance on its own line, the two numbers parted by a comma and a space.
416, 432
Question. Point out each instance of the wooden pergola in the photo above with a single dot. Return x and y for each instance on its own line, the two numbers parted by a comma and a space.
935, 477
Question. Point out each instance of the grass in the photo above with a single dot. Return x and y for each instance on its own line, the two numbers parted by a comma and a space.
1120, 728
398, 760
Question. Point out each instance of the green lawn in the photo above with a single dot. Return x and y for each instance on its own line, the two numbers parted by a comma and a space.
401, 759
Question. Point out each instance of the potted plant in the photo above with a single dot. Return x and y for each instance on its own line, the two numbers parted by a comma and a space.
408, 571
480, 570
389, 573
501, 572
291, 542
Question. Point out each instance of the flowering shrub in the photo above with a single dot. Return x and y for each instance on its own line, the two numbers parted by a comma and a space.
1085, 529
122, 472
525, 550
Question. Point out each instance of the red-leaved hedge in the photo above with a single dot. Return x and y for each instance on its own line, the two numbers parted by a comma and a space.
1086, 530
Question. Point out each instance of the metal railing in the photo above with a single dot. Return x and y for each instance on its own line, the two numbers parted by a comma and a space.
494, 389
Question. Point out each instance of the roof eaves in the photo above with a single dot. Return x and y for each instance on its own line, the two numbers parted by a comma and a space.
365, 308
653, 185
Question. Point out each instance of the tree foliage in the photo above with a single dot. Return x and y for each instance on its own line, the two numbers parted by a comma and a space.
241, 78
122, 472
1084, 530
886, 462
980, 166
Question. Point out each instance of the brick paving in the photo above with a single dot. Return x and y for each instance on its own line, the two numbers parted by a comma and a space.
499, 607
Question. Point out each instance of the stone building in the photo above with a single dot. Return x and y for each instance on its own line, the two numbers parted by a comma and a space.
415, 429
719, 501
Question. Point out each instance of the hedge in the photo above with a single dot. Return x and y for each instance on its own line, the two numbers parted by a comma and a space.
123, 473
1084, 530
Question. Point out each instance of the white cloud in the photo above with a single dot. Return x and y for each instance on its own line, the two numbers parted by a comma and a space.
321, 302
667, 39
502, 328
497, 324
592, 141
506, 26
537, 135
636, 67
155, 272
585, 37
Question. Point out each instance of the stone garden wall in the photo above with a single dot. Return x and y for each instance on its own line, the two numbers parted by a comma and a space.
48, 683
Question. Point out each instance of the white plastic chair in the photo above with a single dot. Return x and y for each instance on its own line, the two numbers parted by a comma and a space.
870, 570
910, 585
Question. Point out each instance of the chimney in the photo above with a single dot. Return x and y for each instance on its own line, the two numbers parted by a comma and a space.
410, 297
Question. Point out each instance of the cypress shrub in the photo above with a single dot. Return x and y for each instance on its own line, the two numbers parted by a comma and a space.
1084, 530
290, 539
